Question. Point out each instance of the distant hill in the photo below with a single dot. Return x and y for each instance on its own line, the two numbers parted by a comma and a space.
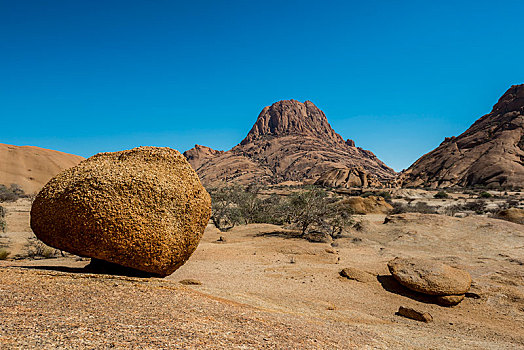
32, 167
290, 141
489, 154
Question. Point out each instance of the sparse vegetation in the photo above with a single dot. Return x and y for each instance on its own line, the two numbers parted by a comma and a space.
11, 193
3, 254
3, 223
441, 195
384, 194
419, 207
485, 194
305, 209
314, 208
41, 250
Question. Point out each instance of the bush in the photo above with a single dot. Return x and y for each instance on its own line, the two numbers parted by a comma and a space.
3, 224
305, 209
41, 250
11, 194
441, 195
225, 213
3, 254
384, 194
314, 208
419, 207
485, 195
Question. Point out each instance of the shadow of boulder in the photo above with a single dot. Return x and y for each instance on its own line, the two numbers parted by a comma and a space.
390, 284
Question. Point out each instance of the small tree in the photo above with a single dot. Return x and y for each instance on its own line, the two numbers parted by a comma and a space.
307, 208
225, 212
314, 207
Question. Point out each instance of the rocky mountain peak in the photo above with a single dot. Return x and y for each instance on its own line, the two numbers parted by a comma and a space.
489, 154
291, 117
511, 101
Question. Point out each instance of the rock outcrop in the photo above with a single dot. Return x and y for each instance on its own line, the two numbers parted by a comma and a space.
429, 277
347, 178
290, 141
489, 154
143, 208
198, 155
368, 205
32, 167
442, 284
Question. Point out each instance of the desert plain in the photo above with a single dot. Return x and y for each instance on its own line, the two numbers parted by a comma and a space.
259, 286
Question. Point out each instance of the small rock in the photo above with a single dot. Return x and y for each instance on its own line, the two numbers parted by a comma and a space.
449, 300
414, 314
190, 282
357, 275
221, 239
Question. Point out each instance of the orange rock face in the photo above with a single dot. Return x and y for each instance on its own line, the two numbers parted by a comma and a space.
290, 141
489, 154
143, 208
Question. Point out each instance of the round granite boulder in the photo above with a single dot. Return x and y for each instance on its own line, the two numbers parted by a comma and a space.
143, 208
429, 277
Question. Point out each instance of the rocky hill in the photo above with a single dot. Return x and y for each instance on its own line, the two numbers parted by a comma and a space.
290, 141
489, 154
32, 167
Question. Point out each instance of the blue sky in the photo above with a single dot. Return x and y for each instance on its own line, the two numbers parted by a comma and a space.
396, 76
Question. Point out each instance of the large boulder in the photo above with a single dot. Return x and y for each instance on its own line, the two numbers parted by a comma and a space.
143, 208
368, 205
429, 277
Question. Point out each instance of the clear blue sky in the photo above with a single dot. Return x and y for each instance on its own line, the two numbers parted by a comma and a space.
84, 76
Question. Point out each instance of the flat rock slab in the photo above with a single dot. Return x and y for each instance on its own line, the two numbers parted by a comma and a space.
429, 277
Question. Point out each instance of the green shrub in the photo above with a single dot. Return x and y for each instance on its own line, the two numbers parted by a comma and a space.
3, 254
485, 195
441, 195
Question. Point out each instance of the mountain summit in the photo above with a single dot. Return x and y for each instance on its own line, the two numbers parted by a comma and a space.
291, 117
290, 141
489, 154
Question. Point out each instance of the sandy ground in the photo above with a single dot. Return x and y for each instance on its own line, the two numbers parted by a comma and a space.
263, 289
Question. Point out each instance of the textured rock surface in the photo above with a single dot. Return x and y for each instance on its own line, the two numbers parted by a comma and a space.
346, 178
369, 205
198, 155
143, 208
490, 153
32, 167
429, 277
290, 141
449, 300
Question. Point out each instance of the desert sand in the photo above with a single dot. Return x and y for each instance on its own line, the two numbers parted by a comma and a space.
261, 288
